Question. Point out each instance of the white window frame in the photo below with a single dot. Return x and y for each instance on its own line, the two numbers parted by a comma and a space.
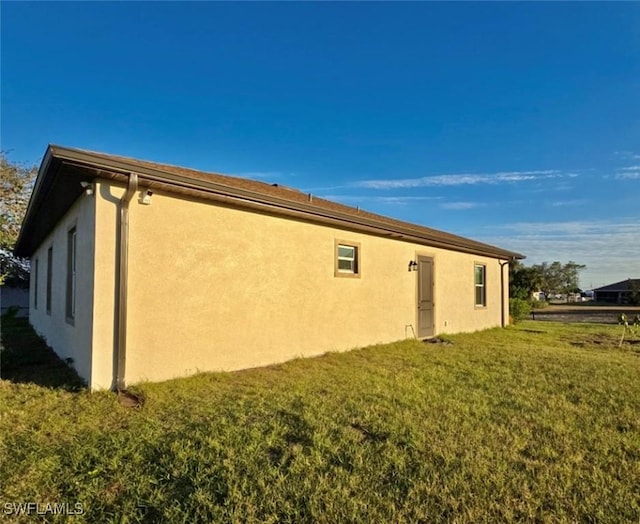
356, 269
482, 285
36, 270
49, 288
70, 302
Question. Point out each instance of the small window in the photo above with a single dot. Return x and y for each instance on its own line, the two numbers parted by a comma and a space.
35, 284
49, 276
71, 275
347, 259
480, 285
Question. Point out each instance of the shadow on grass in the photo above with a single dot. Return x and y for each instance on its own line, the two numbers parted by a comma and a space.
25, 358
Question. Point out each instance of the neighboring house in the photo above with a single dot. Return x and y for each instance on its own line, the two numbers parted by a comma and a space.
587, 295
142, 271
14, 297
538, 295
618, 293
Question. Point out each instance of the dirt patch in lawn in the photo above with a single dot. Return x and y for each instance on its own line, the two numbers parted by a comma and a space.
601, 340
593, 314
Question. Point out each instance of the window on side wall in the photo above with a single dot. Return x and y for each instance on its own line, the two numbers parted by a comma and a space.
480, 285
71, 275
49, 277
35, 284
347, 259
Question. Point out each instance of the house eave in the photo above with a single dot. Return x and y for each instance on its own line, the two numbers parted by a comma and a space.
86, 165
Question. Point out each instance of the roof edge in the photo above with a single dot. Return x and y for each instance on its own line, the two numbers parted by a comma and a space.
35, 198
125, 167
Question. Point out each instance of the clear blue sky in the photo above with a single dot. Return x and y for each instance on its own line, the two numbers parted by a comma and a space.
516, 124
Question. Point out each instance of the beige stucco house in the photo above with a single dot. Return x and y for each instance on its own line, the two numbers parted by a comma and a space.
142, 271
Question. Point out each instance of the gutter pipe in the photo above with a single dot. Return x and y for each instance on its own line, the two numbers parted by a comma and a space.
502, 264
122, 275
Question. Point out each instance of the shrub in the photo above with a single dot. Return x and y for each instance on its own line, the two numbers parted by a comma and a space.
519, 309
12, 312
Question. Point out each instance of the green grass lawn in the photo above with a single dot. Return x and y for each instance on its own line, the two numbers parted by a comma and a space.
539, 422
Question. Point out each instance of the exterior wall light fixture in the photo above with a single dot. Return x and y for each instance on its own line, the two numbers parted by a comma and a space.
87, 186
413, 266
145, 197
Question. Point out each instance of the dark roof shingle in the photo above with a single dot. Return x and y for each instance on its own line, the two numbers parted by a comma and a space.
623, 285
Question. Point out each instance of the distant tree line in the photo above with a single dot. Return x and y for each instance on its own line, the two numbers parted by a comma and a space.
16, 182
550, 278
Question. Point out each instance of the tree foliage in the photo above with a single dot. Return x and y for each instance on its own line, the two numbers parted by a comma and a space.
561, 278
523, 280
16, 182
634, 292
549, 278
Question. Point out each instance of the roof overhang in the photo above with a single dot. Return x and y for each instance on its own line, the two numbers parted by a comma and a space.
63, 169
53, 193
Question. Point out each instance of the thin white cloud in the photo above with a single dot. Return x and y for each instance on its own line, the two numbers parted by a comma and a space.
563, 203
406, 199
461, 179
628, 155
262, 175
631, 175
459, 206
562, 186
628, 173
573, 228
609, 248
384, 200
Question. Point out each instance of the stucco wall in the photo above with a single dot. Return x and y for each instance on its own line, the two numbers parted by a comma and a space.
455, 307
215, 288
68, 340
